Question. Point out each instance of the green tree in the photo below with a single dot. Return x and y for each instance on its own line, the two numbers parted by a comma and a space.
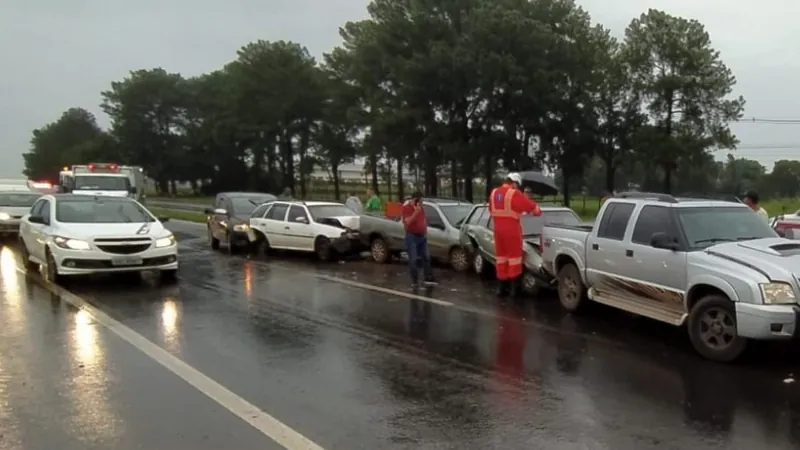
147, 111
785, 178
685, 86
74, 138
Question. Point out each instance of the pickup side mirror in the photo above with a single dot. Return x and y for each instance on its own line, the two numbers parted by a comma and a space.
133, 190
664, 241
37, 219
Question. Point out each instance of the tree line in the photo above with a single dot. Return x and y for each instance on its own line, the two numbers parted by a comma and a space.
455, 90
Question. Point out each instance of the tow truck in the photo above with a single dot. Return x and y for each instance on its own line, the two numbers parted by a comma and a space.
108, 179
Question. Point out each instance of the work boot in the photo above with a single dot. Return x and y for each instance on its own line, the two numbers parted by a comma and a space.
515, 287
504, 288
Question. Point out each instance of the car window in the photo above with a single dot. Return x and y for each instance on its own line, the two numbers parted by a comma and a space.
220, 203
323, 211
432, 216
615, 221
653, 219
483, 220
18, 199
100, 210
704, 226
295, 212
36, 208
455, 214
473, 218
102, 183
45, 211
277, 212
259, 212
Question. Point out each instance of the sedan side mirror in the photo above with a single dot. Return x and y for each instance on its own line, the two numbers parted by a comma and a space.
37, 219
663, 241
301, 219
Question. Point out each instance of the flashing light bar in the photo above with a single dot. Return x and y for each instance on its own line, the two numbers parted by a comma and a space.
110, 166
42, 185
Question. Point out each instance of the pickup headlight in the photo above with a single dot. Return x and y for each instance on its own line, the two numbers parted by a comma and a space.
241, 227
4, 216
71, 244
168, 241
778, 293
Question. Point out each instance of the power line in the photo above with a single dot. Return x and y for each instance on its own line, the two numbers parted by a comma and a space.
759, 120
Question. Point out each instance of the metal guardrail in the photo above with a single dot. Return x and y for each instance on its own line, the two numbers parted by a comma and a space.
177, 206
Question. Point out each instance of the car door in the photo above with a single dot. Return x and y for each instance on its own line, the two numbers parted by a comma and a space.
605, 254
219, 222
485, 235
31, 231
437, 234
42, 231
275, 226
661, 273
300, 232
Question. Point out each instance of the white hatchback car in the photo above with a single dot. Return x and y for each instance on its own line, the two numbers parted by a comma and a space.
80, 235
324, 228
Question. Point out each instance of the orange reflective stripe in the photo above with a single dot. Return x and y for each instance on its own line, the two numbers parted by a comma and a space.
501, 260
515, 261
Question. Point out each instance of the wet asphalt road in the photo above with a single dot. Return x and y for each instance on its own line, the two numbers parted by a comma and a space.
356, 368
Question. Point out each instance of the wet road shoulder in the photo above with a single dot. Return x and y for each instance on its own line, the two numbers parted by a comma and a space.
68, 382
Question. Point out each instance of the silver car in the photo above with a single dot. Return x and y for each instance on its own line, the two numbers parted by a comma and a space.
385, 237
14, 205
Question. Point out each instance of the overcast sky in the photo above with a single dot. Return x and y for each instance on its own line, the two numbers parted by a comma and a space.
58, 54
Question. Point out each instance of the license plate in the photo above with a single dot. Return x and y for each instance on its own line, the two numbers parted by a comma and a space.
127, 261
251, 235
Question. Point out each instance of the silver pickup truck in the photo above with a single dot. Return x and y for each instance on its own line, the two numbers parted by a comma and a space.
713, 266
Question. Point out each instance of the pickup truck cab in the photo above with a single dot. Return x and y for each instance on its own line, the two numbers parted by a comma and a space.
714, 266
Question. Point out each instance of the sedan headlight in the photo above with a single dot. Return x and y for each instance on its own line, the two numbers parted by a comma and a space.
4, 216
241, 227
167, 241
71, 244
778, 293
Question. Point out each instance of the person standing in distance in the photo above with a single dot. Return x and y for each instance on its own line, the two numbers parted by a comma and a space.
751, 200
416, 227
506, 205
374, 205
354, 203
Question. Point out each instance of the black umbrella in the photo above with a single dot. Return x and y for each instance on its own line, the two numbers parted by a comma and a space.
539, 183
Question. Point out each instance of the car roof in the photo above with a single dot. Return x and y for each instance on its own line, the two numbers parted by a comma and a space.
87, 198
542, 206
13, 191
245, 194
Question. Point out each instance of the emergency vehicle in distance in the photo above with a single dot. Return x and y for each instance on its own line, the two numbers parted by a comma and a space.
107, 179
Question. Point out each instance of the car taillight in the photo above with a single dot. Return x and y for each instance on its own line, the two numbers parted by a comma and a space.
91, 167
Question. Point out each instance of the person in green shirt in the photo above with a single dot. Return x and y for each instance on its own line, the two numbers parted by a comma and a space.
373, 205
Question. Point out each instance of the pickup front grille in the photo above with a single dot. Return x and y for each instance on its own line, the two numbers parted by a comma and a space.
124, 249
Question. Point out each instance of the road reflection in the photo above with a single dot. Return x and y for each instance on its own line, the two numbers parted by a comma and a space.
10, 287
93, 414
169, 324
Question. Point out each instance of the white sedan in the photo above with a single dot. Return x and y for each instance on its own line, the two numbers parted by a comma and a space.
80, 235
324, 228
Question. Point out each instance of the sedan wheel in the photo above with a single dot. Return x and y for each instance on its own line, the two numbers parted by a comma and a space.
529, 283
459, 259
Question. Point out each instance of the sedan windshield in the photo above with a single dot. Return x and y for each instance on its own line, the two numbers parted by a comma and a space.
102, 183
18, 200
101, 211
322, 211
244, 206
455, 214
708, 226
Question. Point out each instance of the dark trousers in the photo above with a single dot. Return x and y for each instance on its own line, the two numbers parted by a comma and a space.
417, 249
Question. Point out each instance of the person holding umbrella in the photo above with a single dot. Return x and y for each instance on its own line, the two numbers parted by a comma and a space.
506, 205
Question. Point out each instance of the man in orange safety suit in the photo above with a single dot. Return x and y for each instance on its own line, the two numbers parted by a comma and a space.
506, 205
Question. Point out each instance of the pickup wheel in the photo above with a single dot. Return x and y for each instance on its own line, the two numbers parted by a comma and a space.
380, 251
571, 291
459, 259
713, 330
214, 242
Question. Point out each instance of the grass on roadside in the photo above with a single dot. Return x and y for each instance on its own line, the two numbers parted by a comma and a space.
189, 216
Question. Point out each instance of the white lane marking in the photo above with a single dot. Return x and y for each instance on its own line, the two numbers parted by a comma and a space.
372, 287
260, 420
